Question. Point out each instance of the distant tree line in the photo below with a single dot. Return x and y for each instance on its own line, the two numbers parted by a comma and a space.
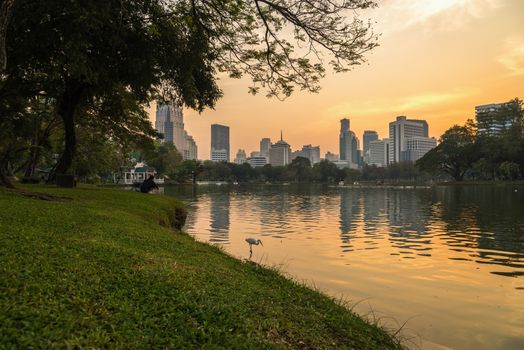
466, 152
298, 171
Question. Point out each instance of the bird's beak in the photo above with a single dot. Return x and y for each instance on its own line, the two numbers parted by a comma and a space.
261, 243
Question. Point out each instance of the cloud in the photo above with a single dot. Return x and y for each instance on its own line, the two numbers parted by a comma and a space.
397, 15
399, 106
513, 58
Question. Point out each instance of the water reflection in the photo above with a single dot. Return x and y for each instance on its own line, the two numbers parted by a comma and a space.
454, 255
219, 204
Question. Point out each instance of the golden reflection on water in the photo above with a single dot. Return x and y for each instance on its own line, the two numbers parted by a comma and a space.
448, 260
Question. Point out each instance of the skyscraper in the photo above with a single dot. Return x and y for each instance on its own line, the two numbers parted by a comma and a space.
348, 144
265, 145
280, 153
219, 143
401, 130
369, 135
345, 140
379, 152
170, 122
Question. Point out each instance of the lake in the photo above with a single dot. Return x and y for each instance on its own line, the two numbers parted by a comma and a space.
445, 262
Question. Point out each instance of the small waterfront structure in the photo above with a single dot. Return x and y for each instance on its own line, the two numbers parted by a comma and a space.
137, 174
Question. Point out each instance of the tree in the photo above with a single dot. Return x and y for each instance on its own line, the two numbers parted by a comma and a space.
325, 171
164, 158
454, 155
301, 169
175, 49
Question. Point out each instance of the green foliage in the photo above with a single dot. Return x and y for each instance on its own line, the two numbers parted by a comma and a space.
164, 158
455, 154
98, 271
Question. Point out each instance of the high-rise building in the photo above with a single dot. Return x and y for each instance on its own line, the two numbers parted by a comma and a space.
241, 157
348, 144
415, 147
170, 122
309, 152
280, 153
191, 149
369, 135
496, 117
219, 143
402, 129
345, 140
379, 152
265, 145
332, 157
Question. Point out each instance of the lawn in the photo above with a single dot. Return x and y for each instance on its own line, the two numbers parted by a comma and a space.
98, 270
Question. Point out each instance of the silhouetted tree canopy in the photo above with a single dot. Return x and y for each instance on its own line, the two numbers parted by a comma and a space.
81, 53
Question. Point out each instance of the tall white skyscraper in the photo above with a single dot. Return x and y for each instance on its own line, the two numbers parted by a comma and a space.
403, 129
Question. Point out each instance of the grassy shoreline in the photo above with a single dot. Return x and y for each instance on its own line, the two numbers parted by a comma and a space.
98, 270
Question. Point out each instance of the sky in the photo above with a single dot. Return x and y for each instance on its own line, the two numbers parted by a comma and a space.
436, 61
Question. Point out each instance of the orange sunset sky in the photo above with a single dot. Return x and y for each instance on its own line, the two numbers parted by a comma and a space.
437, 59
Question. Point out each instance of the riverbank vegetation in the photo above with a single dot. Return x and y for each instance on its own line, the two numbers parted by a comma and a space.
493, 150
91, 267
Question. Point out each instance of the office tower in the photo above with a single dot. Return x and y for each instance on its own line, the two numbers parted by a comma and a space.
348, 145
241, 157
379, 152
345, 140
416, 146
403, 129
309, 152
191, 149
493, 118
170, 122
265, 145
280, 153
219, 143
369, 135
332, 157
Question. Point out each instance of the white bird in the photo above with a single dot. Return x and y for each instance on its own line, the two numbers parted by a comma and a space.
252, 241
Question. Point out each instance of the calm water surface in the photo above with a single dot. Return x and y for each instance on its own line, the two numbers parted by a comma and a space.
449, 261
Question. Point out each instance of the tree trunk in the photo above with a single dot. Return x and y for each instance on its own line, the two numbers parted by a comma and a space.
67, 109
4, 180
5, 14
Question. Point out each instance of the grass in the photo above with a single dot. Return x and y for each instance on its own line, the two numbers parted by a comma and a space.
98, 271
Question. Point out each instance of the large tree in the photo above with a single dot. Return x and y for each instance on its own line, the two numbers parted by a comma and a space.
455, 154
77, 52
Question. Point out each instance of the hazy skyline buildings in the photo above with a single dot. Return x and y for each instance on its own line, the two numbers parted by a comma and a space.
220, 143
240, 157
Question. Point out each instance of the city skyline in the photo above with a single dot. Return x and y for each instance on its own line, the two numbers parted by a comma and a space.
437, 61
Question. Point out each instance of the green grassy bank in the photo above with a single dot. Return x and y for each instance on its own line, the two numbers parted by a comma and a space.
98, 271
